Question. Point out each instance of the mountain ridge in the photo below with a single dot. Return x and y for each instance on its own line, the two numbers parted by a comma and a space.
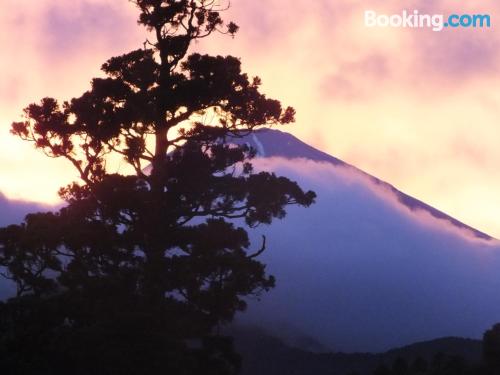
265, 354
264, 141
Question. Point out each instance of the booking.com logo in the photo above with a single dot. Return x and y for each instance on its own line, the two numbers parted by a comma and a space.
437, 22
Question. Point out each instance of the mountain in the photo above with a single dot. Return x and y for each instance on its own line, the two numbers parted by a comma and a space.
367, 268
274, 143
265, 354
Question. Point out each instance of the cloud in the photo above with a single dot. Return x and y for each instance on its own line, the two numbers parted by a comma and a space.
324, 174
390, 101
52, 49
454, 58
74, 28
357, 267
357, 80
14, 211
336, 43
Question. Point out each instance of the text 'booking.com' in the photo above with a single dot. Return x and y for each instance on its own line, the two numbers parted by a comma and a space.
435, 22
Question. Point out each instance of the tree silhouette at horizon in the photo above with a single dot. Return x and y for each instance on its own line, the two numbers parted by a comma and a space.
137, 271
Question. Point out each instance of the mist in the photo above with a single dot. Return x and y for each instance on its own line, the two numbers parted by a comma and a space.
359, 271
13, 212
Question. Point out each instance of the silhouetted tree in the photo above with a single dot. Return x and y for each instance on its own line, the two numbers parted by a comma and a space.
382, 370
139, 269
491, 347
400, 366
438, 361
419, 365
456, 365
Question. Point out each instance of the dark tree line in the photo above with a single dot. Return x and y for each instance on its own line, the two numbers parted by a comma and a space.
442, 364
137, 271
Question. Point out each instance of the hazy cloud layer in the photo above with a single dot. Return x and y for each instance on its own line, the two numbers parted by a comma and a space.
13, 212
360, 272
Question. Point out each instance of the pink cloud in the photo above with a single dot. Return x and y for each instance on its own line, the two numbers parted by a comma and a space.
334, 177
70, 30
359, 79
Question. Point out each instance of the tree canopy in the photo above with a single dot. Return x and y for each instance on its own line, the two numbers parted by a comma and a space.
138, 270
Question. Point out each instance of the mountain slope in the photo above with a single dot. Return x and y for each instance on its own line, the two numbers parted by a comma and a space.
367, 267
274, 143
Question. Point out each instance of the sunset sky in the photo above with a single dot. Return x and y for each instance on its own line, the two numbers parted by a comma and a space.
416, 108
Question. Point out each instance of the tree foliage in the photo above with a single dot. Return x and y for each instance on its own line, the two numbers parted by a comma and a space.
491, 347
137, 271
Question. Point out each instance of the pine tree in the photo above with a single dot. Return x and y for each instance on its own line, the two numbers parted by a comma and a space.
139, 269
